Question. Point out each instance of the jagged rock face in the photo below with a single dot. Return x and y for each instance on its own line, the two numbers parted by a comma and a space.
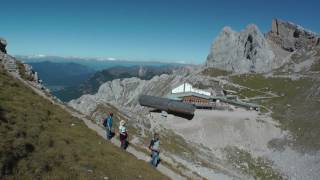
245, 51
292, 37
3, 44
124, 94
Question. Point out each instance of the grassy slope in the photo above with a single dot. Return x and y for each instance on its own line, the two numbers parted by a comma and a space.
295, 110
170, 142
257, 167
40, 140
214, 72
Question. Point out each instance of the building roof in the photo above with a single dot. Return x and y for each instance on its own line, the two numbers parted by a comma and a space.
186, 87
178, 96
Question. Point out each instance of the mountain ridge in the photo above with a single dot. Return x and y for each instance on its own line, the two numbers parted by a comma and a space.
94, 63
92, 84
252, 51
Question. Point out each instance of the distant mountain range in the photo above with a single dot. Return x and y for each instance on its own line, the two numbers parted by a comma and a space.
69, 78
94, 63
61, 75
91, 85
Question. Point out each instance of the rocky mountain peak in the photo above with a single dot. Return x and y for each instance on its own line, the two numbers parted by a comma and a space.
227, 30
291, 37
3, 44
245, 51
252, 51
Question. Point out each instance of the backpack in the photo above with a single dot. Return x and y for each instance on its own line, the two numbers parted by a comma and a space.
105, 122
151, 143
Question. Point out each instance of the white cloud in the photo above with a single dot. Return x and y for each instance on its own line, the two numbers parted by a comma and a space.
181, 62
105, 59
37, 56
111, 59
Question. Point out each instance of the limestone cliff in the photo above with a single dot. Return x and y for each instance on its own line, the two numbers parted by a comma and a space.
291, 37
245, 51
251, 51
123, 94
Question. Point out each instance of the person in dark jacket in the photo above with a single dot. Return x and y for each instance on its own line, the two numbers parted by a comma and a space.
108, 125
155, 150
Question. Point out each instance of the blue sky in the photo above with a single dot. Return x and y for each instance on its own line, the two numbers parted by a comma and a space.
165, 30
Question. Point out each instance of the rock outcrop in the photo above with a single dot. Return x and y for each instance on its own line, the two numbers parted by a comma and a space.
6, 60
124, 94
11, 64
3, 44
251, 51
291, 37
245, 51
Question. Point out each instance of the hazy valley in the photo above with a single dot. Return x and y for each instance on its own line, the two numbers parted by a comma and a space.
69, 78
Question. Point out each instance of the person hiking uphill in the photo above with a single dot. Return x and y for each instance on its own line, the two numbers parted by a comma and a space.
155, 150
107, 123
123, 134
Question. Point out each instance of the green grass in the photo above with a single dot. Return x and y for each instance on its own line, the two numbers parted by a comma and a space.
296, 109
117, 117
214, 72
316, 66
170, 142
257, 167
175, 144
248, 93
39, 140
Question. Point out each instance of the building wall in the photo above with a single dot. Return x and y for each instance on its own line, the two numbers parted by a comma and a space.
194, 99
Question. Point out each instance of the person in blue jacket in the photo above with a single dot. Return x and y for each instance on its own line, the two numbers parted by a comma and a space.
155, 150
108, 125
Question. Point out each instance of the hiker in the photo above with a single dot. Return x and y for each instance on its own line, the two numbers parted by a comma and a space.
155, 150
123, 134
107, 123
